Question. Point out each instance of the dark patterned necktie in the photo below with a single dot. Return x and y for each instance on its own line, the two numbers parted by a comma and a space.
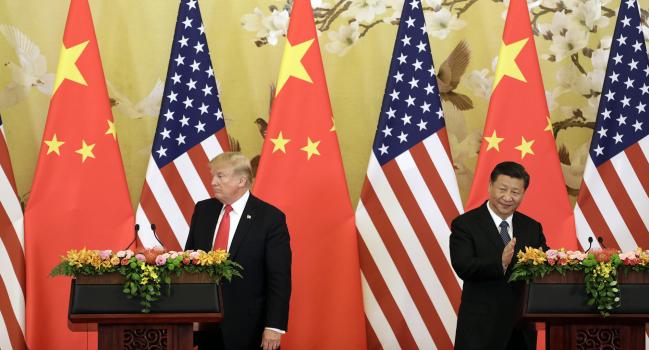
504, 235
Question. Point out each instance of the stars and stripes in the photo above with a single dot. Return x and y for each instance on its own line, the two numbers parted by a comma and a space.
190, 132
12, 257
408, 200
613, 201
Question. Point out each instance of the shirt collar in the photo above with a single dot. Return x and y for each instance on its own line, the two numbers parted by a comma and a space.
497, 219
240, 204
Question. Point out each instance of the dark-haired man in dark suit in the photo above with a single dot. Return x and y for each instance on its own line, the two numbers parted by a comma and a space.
483, 244
256, 236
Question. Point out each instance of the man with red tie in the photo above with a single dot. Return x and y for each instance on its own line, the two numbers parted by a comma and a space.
256, 236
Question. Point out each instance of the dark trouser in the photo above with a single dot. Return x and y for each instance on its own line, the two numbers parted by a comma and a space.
523, 337
209, 340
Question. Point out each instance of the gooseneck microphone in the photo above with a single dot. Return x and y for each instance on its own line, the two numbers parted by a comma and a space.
590, 244
153, 227
136, 229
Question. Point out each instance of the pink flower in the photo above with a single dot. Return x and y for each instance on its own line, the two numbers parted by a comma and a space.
129, 254
627, 255
186, 261
551, 255
140, 257
193, 255
105, 254
173, 255
124, 261
121, 254
160, 260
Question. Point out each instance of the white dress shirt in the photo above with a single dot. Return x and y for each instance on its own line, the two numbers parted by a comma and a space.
497, 220
235, 215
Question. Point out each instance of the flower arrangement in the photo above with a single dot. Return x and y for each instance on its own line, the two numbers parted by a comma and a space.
600, 270
144, 272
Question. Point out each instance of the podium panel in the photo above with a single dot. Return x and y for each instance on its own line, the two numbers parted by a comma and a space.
190, 303
561, 302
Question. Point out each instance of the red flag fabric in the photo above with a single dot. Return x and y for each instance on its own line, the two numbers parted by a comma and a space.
518, 129
301, 173
12, 257
79, 196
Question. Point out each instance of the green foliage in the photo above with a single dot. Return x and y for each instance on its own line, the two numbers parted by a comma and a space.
144, 281
600, 271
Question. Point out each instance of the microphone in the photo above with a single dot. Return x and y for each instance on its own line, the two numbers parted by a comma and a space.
600, 239
137, 229
156, 235
590, 244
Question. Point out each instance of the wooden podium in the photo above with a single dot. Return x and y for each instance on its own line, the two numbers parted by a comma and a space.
194, 302
560, 302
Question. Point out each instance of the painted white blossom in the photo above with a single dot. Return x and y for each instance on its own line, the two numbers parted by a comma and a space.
605, 42
365, 11
441, 23
394, 8
551, 98
270, 27
434, 4
343, 39
599, 59
565, 45
480, 83
569, 78
560, 24
277, 25
589, 14
252, 22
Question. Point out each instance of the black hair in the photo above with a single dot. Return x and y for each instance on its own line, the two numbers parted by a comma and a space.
511, 169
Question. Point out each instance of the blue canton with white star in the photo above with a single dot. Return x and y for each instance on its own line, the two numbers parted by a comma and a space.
622, 114
411, 109
190, 111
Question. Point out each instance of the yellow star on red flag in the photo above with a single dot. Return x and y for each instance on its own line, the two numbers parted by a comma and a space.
494, 141
311, 148
111, 129
279, 143
292, 63
525, 147
507, 61
85, 151
68, 68
54, 145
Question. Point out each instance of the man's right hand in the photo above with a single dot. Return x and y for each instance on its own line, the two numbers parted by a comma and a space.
508, 253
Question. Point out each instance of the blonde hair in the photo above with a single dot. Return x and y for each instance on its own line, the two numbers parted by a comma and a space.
239, 162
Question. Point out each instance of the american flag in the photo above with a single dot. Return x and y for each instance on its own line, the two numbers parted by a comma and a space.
190, 132
12, 257
408, 200
613, 202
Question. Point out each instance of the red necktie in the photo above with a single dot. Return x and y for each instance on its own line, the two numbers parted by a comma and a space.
223, 232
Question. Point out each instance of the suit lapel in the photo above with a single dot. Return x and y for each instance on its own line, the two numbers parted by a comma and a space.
518, 229
245, 224
492, 232
210, 229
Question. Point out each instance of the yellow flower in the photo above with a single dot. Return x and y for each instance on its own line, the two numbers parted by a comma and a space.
532, 256
114, 260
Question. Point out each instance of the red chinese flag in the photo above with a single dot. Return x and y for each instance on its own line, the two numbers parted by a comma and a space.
79, 196
518, 129
301, 173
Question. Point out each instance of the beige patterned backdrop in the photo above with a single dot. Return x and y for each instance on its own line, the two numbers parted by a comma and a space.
245, 38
